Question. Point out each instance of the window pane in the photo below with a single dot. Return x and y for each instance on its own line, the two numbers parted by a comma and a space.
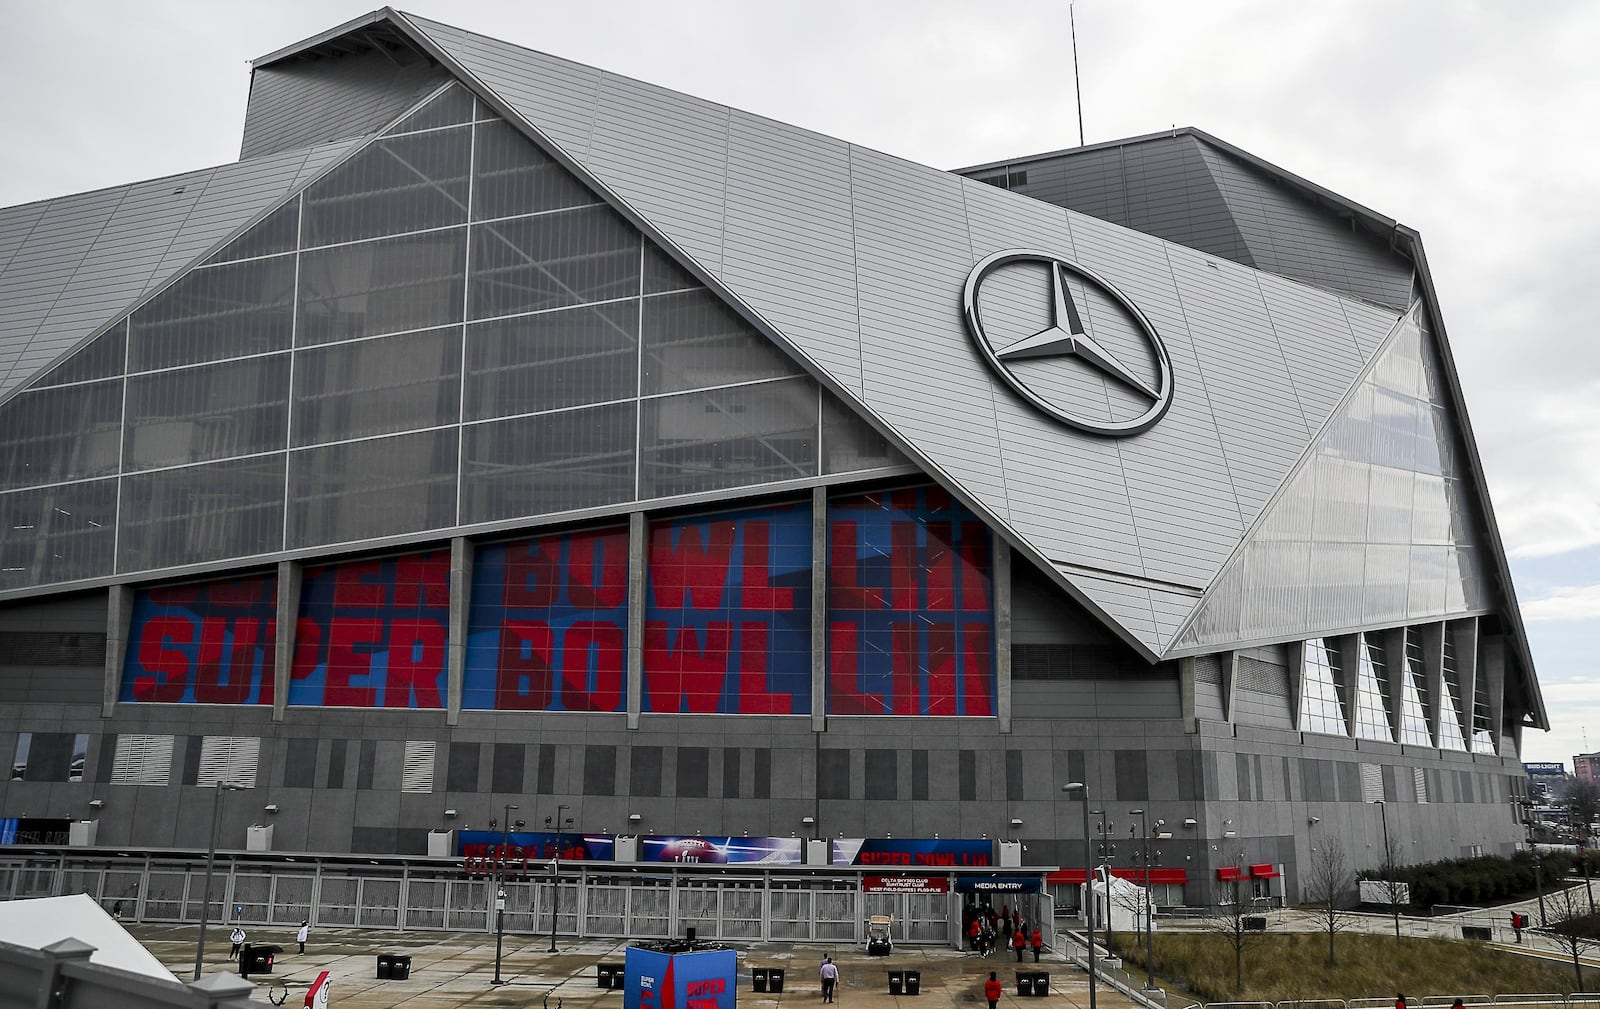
213, 412
661, 273
395, 185
530, 363
201, 513
728, 438
381, 287
693, 341
396, 383
452, 107
277, 232
366, 489
101, 358
850, 444
513, 177
216, 313
65, 433
550, 463
57, 534
552, 261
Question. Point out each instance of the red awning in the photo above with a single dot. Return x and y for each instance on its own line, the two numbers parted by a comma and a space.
1230, 873
1263, 870
1074, 877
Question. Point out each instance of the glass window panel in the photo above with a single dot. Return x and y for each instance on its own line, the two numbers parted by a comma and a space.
728, 438
1414, 694
211, 412
849, 443
388, 286
452, 106
275, 233
366, 489
382, 386
215, 313
65, 433
1321, 708
57, 534
201, 513
549, 463
552, 261
662, 273
103, 357
1372, 691
513, 177
395, 185
694, 341
530, 363
1450, 737
1482, 726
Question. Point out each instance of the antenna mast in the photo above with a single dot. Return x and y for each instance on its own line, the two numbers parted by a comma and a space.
1077, 88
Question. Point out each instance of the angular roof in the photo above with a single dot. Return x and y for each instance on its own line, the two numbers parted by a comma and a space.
69, 265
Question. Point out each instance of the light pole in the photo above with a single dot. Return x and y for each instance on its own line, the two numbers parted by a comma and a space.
1107, 850
1082, 791
500, 889
211, 862
1149, 900
1538, 885
555, 878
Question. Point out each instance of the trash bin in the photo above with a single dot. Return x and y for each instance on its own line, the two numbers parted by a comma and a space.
257, 959
602, 976
897, 981
1041, 983
399, 968
385, 961
1024, 983
689, 933
775, 975
913, 982
618, 973
758, 979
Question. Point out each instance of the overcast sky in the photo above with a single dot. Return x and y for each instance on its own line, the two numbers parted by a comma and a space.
1473, 122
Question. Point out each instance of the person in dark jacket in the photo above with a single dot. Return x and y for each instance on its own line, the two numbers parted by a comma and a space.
992, 990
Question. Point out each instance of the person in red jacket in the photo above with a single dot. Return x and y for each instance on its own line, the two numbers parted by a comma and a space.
1018, 942
992, 990
1038, 944
974, 931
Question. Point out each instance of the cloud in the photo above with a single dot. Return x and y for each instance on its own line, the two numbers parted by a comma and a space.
1572, 603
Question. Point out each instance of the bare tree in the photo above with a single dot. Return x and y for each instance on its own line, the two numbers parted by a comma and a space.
1327, 885
1235, 919
1573, 927
1395, 893
1583, 805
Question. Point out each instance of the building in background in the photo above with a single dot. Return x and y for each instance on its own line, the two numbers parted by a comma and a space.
499, 430
1586, 767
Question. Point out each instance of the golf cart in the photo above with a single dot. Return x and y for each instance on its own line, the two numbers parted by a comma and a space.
879, 942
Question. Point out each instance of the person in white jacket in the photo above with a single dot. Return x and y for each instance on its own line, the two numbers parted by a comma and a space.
237, 938
300, 936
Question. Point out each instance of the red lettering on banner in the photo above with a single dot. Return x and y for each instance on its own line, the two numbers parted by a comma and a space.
532, 571
939, 561
844, 571
523, 682
941, 671
307, 648
239, 671
603, 585
176, 595
977, 665
170, 666
974, 566
422, 580
754, 697
843, 674
352, 587
903, 680
904, 565
696, 567
416, 664
908, 499
244, 592
344, 662
690, 676
603, 643
758, 593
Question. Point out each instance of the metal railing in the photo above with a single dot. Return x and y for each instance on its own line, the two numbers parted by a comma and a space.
1512, 1000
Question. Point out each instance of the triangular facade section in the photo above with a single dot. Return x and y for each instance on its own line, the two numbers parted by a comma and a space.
444, 330
1377, 526
855, 260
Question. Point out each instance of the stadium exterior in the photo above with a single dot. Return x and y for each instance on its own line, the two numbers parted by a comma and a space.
499, 430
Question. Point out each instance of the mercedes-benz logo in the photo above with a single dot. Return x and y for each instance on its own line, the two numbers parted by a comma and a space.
1067, 337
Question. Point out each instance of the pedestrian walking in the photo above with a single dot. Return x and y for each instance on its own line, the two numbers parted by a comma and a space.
305, 930
1399, 1000
1038, 944
116, 910
829, 972
975, 934
1019, 942
992, 990
237, 938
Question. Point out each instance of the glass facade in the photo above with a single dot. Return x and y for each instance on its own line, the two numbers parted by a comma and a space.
1414, 693
1372, 691
1451, 736
446, 329
1376, 526
1321, 690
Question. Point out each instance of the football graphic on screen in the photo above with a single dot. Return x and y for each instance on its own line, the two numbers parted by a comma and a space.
692, 849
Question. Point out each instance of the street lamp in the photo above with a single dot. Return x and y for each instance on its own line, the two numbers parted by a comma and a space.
1149, 899
555, 877
1088, 874
1538, 886
1107, 850
500, 888
211, 862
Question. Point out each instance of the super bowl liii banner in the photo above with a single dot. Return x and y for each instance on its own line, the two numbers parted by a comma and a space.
515, 852
953, 853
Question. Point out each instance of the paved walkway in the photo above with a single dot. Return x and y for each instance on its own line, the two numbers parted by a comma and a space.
450, 970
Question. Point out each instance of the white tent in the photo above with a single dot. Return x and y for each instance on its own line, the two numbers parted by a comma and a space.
40, 921
1123, 900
